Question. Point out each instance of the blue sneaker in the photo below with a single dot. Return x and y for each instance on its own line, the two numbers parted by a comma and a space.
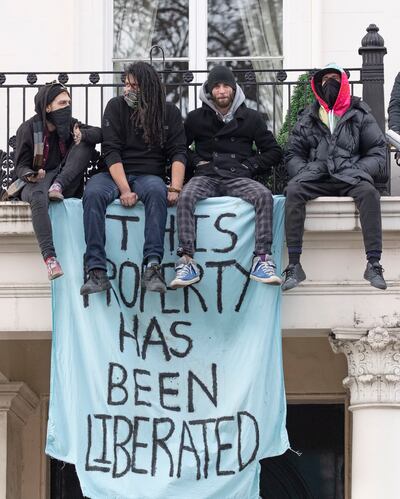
264, 271
187, 273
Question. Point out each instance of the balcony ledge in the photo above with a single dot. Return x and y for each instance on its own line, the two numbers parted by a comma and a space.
334, 294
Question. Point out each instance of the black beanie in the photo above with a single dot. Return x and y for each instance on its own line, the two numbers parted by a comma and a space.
55, 90
220, 74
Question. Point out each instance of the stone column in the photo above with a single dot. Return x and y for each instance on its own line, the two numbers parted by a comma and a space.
373, 380
17, 402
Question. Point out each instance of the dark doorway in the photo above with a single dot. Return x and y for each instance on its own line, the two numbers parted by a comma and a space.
64, 483
317, 431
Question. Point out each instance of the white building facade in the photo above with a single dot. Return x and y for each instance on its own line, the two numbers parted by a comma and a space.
334, 311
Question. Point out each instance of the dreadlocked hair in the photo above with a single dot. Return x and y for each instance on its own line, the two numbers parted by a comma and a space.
150, 114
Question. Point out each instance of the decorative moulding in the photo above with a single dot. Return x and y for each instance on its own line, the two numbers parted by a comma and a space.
373, 358
17, 399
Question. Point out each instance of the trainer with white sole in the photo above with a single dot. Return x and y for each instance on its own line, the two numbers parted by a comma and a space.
222, 133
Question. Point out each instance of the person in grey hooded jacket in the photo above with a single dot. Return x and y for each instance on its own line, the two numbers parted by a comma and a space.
223, 133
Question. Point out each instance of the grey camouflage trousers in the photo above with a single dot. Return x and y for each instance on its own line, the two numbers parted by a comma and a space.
203, 187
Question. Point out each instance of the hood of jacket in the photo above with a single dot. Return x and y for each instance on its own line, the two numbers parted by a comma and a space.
41, 99
238, 100
343, 99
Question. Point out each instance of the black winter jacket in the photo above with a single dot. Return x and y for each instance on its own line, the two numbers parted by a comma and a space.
394, 106
123, 143
228, 148
356, 150
25, 145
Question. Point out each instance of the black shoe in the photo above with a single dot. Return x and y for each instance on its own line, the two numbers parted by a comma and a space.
152, 279
97, 281
294, 274
374, 274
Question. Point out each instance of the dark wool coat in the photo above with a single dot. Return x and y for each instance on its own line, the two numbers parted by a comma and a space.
394, 106
228, 148
356, 150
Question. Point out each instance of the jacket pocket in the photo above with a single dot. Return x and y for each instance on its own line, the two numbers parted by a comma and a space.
230, 166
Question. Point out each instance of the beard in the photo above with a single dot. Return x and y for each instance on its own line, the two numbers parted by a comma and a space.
223, 102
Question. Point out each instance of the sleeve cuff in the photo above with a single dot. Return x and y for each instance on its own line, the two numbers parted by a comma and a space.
179, 157
112, 158
83, 135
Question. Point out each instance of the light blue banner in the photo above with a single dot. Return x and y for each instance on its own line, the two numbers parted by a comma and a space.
170, 397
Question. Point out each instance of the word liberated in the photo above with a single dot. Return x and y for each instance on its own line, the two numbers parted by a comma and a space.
161, 446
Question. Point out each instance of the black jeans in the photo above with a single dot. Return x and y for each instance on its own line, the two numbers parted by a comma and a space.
366, 198
36, 194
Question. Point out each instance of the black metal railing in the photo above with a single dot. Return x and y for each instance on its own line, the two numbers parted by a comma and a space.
269, 91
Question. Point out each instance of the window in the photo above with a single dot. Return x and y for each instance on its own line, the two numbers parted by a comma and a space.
197, 34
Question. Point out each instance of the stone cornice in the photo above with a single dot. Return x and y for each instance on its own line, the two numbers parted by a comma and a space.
25, 290
18, 399
373, 358
15, 219
325, 214
340, 214
329, 288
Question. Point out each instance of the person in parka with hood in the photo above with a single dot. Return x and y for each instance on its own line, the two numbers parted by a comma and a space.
223, 132
394, 106
336, 149
53, 151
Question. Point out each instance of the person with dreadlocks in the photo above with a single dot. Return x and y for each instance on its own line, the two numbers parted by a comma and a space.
141, 132
53, 151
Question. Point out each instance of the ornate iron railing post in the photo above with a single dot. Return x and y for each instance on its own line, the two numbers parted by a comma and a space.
373, 51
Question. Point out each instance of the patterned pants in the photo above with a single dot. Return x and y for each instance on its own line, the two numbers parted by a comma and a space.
203, 187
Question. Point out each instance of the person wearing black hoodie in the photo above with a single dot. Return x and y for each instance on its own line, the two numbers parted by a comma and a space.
336, 148
53, 151
141, 132
224, 132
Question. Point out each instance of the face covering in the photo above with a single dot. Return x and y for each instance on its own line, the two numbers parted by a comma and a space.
132, 99
330, 91
62, 121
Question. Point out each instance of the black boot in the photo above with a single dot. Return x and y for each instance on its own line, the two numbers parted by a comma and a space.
374, 274
97, 281
294, 274
152, 279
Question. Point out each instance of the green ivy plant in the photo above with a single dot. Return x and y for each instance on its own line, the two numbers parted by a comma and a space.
302, 96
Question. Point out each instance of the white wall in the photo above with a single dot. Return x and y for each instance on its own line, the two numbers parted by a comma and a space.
317, 32
44, 35
77, 35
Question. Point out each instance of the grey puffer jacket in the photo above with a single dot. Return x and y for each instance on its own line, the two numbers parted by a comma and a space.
356, 150
394, 106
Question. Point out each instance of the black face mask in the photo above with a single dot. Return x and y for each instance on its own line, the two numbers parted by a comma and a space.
330, 91
62, 121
